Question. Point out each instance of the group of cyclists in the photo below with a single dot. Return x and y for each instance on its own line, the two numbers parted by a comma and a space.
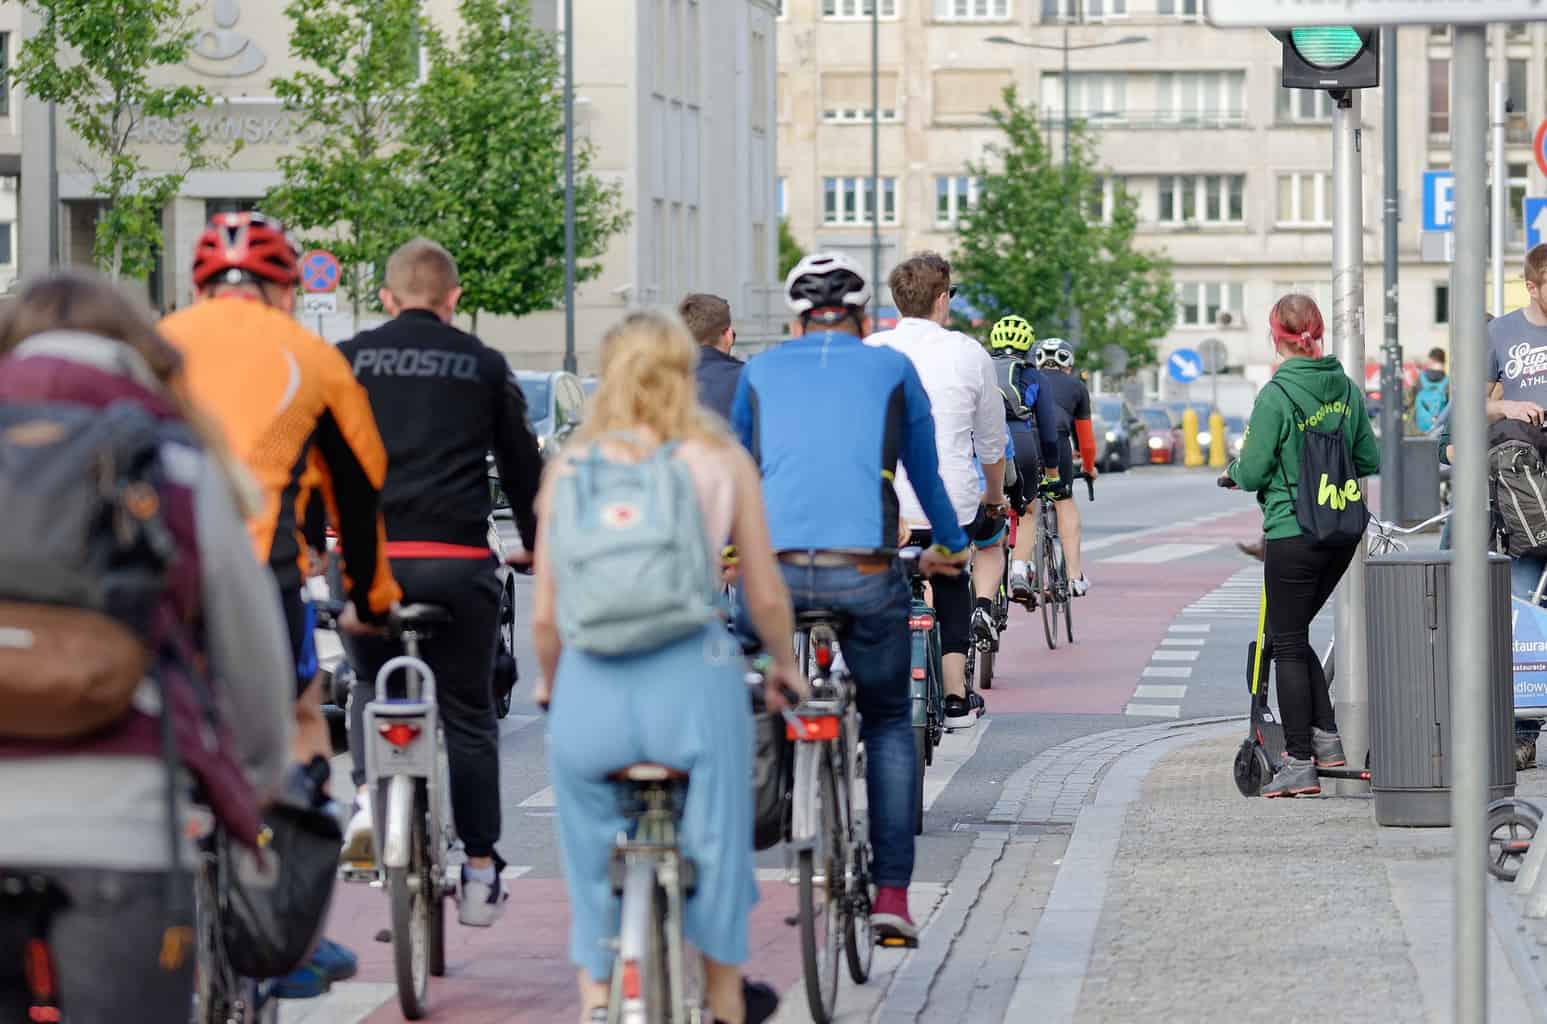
840, 446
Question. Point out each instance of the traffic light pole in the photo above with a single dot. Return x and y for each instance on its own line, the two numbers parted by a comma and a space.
1353, 687
1391, 368
1470, 630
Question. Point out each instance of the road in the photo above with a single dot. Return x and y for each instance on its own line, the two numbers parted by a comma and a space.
1160, 637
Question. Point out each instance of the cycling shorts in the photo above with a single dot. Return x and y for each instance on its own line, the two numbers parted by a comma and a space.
1028, 458
301, 623
984, 531
1066, 461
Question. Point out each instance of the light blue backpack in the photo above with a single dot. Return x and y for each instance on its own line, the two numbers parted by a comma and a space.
630, 558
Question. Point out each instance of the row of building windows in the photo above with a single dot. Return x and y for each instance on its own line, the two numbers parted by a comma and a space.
1002, 10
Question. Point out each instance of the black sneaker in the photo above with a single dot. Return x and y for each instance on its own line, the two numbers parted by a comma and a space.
983, 630
976, 704
959, 714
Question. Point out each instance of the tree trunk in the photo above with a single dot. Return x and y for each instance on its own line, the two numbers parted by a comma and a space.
115, 269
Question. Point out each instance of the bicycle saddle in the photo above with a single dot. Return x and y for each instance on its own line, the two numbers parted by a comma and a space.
411, 615
814, 617
648, 771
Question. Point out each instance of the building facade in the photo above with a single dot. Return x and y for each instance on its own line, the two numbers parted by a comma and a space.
1232, 174
675, 96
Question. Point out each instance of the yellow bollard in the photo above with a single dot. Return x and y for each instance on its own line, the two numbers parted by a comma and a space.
1193, 455
1219, 446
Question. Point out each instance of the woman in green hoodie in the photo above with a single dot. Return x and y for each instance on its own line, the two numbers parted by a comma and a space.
1308, 389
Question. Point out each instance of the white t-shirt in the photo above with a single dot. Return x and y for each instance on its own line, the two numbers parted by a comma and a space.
958, 376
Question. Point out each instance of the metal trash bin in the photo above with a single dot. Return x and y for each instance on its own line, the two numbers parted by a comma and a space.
1407, 617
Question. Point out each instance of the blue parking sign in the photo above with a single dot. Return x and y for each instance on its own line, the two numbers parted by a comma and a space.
1536, 220
1439, 200
1185, 366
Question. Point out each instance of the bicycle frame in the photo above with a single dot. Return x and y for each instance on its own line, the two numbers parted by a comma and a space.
817, 741
652, 867
402, 747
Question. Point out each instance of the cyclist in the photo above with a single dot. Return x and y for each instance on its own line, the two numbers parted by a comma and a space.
1033, 420
444, 399
958, 377
90, 814
825, 408
1055, 360
295, 416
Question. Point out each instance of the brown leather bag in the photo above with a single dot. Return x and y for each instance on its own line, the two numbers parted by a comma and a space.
65, 672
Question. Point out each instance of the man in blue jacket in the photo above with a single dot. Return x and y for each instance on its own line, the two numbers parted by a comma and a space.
828, 418
708, 319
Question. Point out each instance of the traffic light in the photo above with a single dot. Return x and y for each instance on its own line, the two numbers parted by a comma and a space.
1331, 57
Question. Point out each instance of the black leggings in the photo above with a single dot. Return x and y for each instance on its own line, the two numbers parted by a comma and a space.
1299, 580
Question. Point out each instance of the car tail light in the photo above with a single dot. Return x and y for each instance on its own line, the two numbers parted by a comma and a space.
921, 623
399, 734
812, 730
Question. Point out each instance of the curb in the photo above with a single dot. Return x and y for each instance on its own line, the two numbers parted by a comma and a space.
1053, 972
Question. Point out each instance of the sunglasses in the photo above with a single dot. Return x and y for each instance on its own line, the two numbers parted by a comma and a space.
951, 291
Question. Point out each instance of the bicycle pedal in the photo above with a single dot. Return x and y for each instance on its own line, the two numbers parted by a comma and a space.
896, 942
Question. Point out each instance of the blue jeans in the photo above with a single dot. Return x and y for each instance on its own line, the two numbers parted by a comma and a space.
876, 648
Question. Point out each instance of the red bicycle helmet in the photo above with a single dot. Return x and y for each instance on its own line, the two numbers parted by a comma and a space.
238, 245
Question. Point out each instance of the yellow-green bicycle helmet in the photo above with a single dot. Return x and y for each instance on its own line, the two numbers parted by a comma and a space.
1012, 332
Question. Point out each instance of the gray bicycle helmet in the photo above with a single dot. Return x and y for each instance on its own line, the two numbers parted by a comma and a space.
1055, 352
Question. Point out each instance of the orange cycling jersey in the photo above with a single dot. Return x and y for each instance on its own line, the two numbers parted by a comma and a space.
294, 414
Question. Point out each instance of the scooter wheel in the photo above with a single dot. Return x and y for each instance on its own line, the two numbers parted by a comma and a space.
1512, 824
1251, 768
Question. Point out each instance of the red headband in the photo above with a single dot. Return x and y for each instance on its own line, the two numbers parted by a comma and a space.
1306, 342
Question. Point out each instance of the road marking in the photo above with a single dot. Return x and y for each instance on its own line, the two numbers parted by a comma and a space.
515, 871
1183, 641
1151, 692
954, 751
773, 874
1167, 671
1191, 627
1174, 656
542, 798
1153, 710
345, 1003
1158, 553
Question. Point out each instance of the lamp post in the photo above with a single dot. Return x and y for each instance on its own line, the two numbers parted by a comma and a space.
569, 187
1072, 315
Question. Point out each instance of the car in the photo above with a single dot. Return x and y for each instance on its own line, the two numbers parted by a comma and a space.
1165, 437
1178, 408
555, 402
1235, 435
1122, 440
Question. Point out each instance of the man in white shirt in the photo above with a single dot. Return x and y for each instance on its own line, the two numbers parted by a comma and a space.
970, 429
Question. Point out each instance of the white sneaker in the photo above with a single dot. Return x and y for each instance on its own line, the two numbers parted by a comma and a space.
1080, 587
479, 904
358, 841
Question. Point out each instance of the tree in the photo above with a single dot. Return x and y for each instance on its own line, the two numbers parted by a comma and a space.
1034, 222
486, 130
790, 252
97, 59
350, 183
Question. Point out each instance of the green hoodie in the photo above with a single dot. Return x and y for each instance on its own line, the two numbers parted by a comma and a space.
1270, 452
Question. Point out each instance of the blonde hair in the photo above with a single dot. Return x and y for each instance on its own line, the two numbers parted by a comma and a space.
421, 270
647, 382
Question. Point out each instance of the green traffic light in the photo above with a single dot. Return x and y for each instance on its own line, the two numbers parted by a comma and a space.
1329, 47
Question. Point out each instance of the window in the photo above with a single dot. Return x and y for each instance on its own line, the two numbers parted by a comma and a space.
1083, 10
1517, 127
1202, 99
1305, 199
1203, 198
1199, 303
758, 61
1321, 291
5, 74
1310, 105
846, 97
1105, 192
952, 196
858, 8
971, 10
1094, 96
848, 201
1180, 8
1441, 304
1439, 97
1519, 179
7, 252
781, 198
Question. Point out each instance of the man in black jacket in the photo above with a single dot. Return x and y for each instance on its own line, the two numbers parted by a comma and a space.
443, 400
708, 319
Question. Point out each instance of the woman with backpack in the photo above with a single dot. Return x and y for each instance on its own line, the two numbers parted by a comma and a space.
1307, 447
165, 608
633, 516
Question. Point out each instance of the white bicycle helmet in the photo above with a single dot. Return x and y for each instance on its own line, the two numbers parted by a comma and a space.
1054, 352
826, 281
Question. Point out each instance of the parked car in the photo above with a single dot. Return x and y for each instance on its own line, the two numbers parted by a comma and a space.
1165, 437
1122, 440
555, 402
1235, 434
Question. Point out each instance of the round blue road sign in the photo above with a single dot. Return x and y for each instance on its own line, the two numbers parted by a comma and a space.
319, 271
1185, 366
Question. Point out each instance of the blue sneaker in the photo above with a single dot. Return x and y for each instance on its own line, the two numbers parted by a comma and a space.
334, 961
305, 982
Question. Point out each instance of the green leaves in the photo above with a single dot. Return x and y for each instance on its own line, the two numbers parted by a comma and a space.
790, 252
1034, 223
99, 60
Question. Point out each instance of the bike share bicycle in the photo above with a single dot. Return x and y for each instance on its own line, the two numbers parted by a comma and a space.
408, 774
1051, 579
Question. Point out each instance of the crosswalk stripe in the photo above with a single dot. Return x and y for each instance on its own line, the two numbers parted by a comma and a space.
1151, 692
1167, 671
1183, 641
1190, 627
1153, 710
1174, 656
1158, 553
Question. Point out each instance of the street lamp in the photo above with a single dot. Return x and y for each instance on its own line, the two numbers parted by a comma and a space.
1065, 48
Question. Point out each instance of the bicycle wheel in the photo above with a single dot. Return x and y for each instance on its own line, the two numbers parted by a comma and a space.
1048, 560
821, 872
409, 892
986, 668
1068, 601
920, 756
858, 937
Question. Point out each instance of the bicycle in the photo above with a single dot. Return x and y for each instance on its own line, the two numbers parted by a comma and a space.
827, 832
1052, 574
221, 995
406, 767
988, 650
926, 680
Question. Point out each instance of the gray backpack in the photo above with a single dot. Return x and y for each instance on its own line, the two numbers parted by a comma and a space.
630, 557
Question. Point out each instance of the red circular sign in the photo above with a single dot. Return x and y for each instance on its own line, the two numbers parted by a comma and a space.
1538, 147
319, 271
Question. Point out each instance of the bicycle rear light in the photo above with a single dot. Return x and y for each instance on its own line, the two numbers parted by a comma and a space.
399, 734
921, 623
815, 729
824, 656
